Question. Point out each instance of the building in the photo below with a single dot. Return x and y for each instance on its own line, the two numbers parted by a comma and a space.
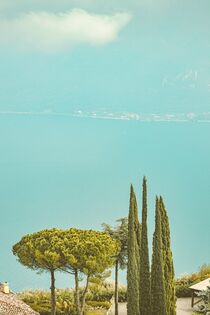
11, 305
198, 287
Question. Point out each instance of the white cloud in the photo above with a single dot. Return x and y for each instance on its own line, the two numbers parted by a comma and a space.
51, 32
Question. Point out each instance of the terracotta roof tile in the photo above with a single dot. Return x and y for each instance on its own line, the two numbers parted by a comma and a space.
11, 305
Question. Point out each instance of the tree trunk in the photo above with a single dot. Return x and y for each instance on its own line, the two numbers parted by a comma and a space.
84, 295
116, 287
77, 298
52, 288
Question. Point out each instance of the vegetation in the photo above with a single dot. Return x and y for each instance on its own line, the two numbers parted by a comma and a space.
155, 290
41, 252
84, 253
98, 298
96, 304
158, 295
40, 302
205, 305
87, 253
133, 257
105, 292
183, 283
168, 266
119, 233
98, 293
145, 286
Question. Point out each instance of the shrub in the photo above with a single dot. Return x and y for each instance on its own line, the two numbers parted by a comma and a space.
96, 304
39, 301
122, 294
100, 294
204, 307
183, 283
183, 291
106, 293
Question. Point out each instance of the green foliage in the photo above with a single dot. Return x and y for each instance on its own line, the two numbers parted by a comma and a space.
167, 261
99, 304
145, 289
158, 296
183, 283
90, 252
40, 301
100, 292
84, 252
100, 279
122, 294
183, 291
133, 257
99, 296
204, 271
40, 251
120, 234
204, 307
105, 293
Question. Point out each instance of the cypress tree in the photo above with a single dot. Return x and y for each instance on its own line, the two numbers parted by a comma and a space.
167, 262
133, 257
158, 297
139, 244
145, 290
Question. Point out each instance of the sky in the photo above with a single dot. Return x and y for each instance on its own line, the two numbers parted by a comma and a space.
93, 96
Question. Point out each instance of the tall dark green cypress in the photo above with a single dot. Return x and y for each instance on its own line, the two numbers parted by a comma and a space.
145, 290
133, 257
167, 262
158, 297
139, 259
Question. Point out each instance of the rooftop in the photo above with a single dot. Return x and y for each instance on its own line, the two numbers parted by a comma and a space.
201, 286
11, 305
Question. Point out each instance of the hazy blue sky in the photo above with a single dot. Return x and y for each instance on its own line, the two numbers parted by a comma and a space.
94, 95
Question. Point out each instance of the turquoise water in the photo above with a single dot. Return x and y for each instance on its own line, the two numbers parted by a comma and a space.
64, 172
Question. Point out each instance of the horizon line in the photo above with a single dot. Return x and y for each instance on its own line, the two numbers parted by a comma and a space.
203, 117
